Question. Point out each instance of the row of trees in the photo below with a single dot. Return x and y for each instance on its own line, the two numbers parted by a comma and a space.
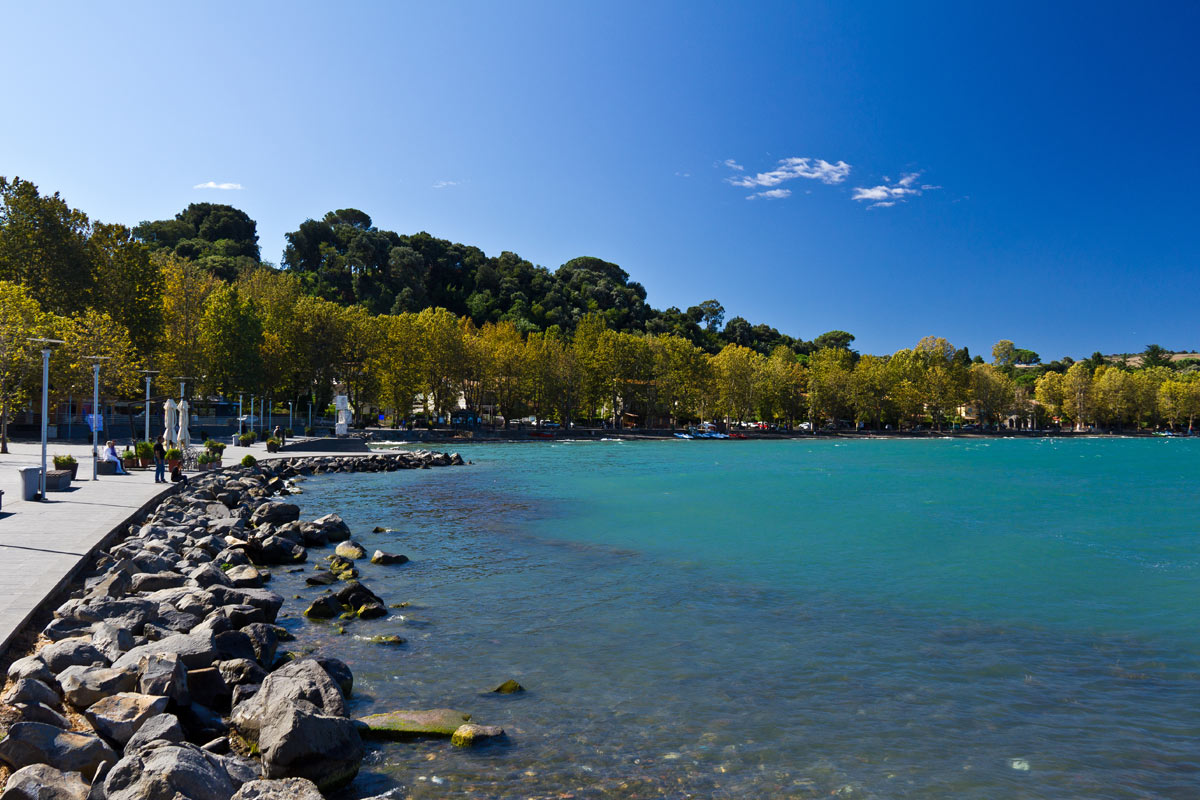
188, 297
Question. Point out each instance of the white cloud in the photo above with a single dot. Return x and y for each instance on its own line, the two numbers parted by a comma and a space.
888, 194
771, 194
792, 168
445, 184
215, 185
729, 162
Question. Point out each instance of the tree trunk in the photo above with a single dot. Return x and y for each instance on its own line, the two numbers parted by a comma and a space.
4, 427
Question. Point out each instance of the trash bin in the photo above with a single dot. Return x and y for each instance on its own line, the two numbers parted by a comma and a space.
31, 478
233, 440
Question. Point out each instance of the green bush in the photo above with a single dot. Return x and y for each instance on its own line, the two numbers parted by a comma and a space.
174, 454
214, 447
308, 431
249, 460
207, 458
247, 439
127, 454
145, 450
64, 462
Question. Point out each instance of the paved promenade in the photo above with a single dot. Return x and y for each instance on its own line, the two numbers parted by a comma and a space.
43, 544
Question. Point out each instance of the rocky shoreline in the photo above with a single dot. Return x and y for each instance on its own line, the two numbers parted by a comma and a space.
163, 676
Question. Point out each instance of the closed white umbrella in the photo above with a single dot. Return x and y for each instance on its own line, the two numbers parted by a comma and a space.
170, 421
185, 438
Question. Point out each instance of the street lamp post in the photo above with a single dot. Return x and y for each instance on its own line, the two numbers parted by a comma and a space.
45, 403
239, 412
96, 417
290, 415
148, 373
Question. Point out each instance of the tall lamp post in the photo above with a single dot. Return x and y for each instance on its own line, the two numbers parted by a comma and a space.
45, 402
96, 416
239, 413
290, 415
148, 373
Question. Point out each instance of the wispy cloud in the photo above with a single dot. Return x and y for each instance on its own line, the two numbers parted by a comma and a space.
445, 184
791, 168
729, 162
215, 185
888, 193
771, 194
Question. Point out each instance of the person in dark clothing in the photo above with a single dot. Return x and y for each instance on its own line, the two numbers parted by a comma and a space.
160, 461
177, 476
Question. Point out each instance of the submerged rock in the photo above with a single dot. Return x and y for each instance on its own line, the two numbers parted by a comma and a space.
470, 734
390, 638
509, 687
412, 724
381, 557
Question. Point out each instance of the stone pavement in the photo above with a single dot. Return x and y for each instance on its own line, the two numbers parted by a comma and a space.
43, 544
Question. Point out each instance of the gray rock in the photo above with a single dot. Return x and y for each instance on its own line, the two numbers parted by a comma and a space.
111, 640
381, 557
275, 513
166, 676
72, 652
247, 577
300, 680
278, 550
159, 728
265, 641
31, 667
207, 686
165, 773
301, 742
234, 644
267, 601
37, 743
241, 671
280, 789
130, 613
153, 581
40, 712
44, 782
194, 650
117, 718
59, 629
31, 690
84, 686
471, 734
336, 530
209, 575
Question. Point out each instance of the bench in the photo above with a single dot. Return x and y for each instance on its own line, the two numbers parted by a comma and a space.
58, 480
106, 468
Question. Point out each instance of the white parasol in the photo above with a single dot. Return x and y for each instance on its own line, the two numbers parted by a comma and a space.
184, 437
170, 420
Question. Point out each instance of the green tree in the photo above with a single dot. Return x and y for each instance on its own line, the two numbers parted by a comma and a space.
829, 384
1077, 398
128, 284
736, 371
20, 318
1003, 354
43, 246
231, 339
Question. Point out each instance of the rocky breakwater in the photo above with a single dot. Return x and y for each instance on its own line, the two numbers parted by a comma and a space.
163, 676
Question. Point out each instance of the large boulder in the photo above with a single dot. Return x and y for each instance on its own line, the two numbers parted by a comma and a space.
159, 728
37, 743
111, 640
351, 550
167, 773
275, 513
381, 557
280, 789
265, 641
298, 680
72, 652
44, 782
153, 581
301, 742
401, 725
84, 686
130, 613
166, 676
40, 712
333, 526
30, 667
117, 718
267, 601
194, 650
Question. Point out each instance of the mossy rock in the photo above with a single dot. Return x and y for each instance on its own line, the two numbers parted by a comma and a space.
323, 608
371, 611
400, 725
388, 638
351, 550
509, 687
468, 735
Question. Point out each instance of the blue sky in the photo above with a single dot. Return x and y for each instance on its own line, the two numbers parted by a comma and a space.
1040, 159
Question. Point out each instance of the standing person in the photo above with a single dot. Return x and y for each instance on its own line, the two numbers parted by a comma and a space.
160, 461
278, 434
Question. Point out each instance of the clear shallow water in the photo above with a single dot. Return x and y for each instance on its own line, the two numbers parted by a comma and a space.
908, 619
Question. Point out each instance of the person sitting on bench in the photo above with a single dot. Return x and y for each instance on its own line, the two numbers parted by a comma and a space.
110, 454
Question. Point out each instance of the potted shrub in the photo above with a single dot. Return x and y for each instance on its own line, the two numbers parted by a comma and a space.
174, 456
67, 462
207, 461
308, 431
249, 460
247, 439
272, 445
145, 453
216, 448
129, 458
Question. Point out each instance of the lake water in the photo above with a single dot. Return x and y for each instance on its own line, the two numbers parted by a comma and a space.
875, 619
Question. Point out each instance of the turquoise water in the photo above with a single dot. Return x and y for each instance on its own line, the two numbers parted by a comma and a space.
887, 619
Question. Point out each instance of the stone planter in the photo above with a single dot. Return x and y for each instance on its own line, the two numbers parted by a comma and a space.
129, 463
173, 464
145, 462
